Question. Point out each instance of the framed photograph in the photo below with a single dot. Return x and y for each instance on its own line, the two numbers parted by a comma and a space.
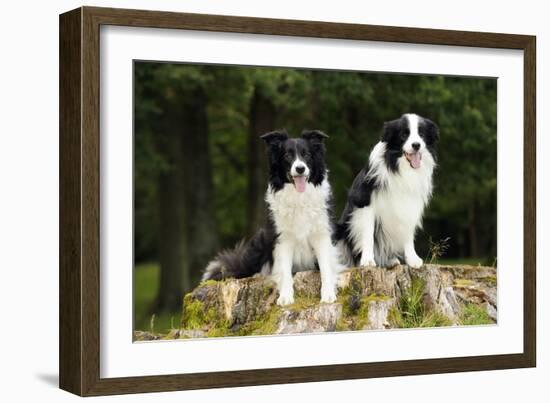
249, 201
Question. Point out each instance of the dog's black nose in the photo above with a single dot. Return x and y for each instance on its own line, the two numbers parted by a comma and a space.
416, 146
300, 169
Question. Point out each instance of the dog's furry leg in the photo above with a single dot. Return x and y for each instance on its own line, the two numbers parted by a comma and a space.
362, 227
328, 265
394, 261
282, 271
411, 258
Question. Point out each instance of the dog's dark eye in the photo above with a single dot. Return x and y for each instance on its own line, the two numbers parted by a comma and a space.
289, 156
305, 154
405, 133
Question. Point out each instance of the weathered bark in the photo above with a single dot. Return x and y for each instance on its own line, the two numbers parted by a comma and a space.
262, 120
368, 298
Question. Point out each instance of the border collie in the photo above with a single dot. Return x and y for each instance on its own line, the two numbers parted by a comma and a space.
298, 234
387, 198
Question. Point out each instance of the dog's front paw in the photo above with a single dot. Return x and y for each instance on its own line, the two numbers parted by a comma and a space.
328, 295
394, 262
414, 261
285, 298
367, 260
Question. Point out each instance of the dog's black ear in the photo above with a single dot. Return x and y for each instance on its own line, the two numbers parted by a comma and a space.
317, 147
432, 131
315, 136
391, 129
277, 172
274, 138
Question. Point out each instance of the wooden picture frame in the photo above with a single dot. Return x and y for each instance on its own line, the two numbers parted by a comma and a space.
80, 199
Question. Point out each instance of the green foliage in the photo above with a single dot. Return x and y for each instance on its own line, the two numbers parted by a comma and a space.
351, 107
146, 283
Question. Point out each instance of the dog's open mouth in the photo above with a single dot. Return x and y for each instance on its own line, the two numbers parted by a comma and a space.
414, 159
300, 183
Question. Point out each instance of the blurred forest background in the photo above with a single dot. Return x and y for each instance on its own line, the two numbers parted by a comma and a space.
200, 169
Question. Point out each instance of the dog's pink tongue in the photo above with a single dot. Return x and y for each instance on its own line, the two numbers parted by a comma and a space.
415, 160
300, 183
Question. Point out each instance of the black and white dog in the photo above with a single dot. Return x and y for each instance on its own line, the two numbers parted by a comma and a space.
387, 199
298, 235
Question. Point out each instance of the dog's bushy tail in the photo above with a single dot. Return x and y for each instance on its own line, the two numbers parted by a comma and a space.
228, 263
244, 260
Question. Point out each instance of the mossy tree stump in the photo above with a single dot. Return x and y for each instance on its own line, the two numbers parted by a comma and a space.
368, 298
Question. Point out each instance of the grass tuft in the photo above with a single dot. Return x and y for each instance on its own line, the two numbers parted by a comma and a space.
146, 285
475, 315
411, 311
437, 249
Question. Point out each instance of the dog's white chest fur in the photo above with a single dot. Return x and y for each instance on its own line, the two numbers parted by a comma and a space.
301, 217
396, 207
399, 204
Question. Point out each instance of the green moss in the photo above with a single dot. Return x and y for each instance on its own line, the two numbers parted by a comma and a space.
474, 315
270, 322
264, 325
211, 319
193, 313
351, 295
219, 332
355, 306
196, 316
343, 324
361, 318
303, 302
207, 283
462, 282
489, 280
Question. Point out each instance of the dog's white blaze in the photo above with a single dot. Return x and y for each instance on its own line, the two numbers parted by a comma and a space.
414, 136
299, 163
303, 224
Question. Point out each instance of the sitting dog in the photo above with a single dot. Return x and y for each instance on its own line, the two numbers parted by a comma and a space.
387, 198
298, 234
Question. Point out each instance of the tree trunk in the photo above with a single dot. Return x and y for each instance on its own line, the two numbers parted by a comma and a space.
262, 120
188, 235
369, 298
173, 267
173, 273
200, 225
